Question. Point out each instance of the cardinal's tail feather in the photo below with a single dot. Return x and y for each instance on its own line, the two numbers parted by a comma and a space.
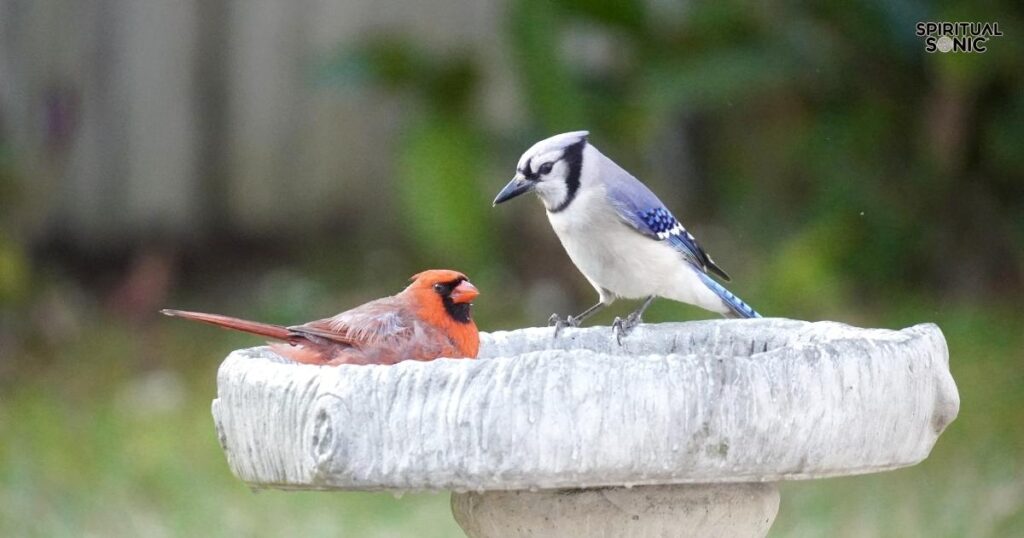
276, 332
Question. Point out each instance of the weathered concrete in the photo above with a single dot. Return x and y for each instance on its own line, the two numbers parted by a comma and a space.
702, 402
705, 511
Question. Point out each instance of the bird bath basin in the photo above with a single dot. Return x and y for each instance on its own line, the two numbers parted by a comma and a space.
681, 431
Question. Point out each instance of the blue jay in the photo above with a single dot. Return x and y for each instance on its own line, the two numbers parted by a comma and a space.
617, 232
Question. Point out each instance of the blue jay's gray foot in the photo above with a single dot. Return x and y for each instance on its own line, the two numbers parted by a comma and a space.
560, 323
622, 327
572, 321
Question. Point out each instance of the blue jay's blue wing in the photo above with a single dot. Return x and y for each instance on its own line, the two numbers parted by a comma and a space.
641, 209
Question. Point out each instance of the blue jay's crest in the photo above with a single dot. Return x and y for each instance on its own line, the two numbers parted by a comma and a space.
534, 157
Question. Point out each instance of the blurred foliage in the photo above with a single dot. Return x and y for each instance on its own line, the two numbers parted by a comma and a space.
14, 263
444, 214
442, 208
14, 272
843, 157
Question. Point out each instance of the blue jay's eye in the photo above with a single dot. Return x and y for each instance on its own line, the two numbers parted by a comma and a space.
545, 168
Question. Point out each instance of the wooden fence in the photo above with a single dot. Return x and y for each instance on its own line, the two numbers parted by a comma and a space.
134, 117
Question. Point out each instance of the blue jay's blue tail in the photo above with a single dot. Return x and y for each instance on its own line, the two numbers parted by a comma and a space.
738, 307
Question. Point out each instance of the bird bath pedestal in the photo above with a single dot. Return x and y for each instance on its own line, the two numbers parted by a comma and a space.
683, 430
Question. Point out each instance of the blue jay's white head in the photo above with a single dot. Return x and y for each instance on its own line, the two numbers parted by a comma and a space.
552, 168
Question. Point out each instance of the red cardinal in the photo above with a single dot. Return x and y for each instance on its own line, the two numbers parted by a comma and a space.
427, 320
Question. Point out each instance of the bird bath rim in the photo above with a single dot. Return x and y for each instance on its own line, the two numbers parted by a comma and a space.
808, 400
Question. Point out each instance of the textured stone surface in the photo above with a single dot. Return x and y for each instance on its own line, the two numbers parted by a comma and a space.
698, 510
700, 402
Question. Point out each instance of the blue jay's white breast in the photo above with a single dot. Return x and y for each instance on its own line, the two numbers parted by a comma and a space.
621, 262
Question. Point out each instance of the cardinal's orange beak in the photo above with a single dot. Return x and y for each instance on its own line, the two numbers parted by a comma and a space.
464, 292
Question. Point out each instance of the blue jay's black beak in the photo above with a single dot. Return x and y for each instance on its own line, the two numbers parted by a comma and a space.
518, 185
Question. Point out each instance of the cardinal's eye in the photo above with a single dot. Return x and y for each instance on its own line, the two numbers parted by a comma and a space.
546, 168
442, 289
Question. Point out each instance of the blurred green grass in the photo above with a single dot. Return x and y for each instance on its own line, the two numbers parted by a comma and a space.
95, 446
132, 451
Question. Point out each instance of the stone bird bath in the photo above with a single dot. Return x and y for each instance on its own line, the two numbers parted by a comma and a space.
684, 430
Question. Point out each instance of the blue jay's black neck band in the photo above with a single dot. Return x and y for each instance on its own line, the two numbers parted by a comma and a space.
573, 156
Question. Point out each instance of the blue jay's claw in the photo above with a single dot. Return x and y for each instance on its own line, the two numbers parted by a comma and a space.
560, 323
622, 327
